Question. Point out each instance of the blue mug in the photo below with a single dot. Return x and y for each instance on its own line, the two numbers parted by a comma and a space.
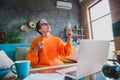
21, 68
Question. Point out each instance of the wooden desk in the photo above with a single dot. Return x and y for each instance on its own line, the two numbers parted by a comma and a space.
50, 69
53, 67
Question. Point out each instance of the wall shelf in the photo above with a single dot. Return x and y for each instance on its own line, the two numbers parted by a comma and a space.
78, 34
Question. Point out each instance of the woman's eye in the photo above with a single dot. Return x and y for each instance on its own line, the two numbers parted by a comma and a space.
48, 27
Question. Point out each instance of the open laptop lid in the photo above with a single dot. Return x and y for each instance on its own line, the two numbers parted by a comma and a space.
91, 57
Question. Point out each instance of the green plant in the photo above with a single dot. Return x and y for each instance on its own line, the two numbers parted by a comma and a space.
11, 37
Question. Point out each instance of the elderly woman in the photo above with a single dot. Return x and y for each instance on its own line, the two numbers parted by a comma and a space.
46, 49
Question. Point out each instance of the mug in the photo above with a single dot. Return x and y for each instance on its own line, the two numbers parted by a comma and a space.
22, 68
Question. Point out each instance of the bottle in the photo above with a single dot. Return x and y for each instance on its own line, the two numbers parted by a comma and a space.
76, 26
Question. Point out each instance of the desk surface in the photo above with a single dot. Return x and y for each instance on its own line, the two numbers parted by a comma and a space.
50, 69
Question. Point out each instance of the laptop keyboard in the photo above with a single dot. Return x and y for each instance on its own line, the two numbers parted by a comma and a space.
72, 73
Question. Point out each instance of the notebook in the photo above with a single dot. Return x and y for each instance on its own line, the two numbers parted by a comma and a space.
91, 57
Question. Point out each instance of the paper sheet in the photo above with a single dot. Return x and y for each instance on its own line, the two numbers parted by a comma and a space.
45, 76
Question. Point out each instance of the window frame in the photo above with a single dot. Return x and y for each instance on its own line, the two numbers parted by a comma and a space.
90, 19
91, 27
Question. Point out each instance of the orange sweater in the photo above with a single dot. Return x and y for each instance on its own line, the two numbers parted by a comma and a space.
49, 54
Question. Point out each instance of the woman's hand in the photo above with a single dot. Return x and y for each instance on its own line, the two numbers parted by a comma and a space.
38, 47
40, 44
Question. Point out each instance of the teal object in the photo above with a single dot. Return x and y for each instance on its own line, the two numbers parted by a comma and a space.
74, 44
22, 68
3, 73
116, 28
11, 48
10, 51
112, 70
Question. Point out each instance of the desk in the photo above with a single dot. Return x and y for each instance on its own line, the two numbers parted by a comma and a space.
50, 69
53, 67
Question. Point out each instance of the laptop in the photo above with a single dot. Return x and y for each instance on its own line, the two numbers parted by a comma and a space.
91, 57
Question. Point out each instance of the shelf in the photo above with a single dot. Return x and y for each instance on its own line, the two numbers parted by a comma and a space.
77, 29
78, 35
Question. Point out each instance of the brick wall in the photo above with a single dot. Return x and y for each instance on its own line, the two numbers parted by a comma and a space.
84, 16
115, 14
14, 13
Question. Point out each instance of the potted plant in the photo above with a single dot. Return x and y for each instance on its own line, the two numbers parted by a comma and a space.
11, 37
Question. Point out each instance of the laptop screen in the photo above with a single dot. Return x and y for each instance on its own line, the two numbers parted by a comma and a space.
91, 57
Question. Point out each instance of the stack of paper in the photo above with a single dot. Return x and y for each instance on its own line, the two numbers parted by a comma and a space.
44, 76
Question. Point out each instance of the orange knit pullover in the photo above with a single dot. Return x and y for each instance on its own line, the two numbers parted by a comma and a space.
49, 54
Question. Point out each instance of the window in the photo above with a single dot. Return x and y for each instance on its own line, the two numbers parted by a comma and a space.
101, 24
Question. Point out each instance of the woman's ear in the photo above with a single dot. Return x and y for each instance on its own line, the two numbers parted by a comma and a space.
39, 30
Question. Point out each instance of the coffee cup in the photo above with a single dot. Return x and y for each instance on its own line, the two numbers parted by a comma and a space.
21, 68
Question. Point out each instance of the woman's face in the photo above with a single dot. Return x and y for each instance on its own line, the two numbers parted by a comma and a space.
45, 29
